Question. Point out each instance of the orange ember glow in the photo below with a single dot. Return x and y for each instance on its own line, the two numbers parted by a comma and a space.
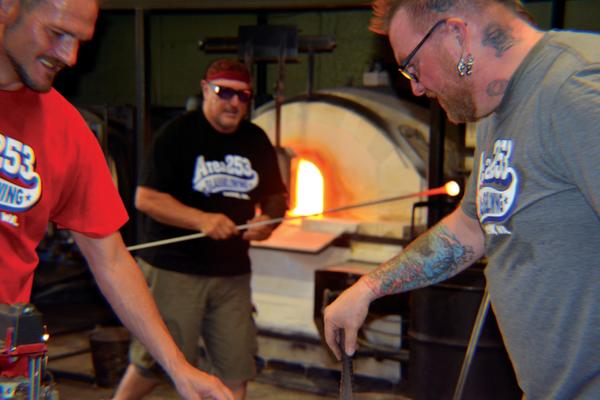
308, 190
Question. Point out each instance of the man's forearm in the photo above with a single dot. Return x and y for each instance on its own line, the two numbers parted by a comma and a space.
123, 284
431, 258
166, 209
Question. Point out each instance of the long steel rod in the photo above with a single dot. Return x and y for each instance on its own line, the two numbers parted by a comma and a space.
484, 307
430, 192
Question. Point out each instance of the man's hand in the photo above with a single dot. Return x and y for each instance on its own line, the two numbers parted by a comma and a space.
217, 226
193, 384
347, 312
260, 232
121, 281
168, 210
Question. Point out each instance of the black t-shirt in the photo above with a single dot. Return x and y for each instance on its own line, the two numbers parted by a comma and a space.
214, 172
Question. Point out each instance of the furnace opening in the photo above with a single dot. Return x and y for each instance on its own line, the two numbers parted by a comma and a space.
308, 188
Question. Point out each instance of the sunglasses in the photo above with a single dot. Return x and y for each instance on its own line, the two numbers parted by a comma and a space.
403, 68
227, 93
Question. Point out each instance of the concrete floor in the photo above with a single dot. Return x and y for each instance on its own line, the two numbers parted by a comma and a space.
73, 390
70, 360
75, 375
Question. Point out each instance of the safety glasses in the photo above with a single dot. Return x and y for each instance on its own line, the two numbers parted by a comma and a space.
404, 65
227, 93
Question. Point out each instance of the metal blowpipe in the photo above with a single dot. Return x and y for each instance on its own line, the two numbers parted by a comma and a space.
451, 189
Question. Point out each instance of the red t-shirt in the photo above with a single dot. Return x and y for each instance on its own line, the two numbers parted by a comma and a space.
51, 169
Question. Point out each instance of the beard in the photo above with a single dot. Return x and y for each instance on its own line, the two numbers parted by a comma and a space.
459, 106
11, 34
26, 78
456, 96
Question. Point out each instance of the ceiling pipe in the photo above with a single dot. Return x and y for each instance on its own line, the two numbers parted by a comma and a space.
558, 14
235, 5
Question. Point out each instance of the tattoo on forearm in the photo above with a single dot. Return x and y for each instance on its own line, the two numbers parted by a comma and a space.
440, 5
497, 87
499, 38
431, 258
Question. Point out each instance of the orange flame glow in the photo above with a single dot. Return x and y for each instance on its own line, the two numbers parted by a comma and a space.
308, 190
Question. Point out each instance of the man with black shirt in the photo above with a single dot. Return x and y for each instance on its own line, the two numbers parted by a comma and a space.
207, 171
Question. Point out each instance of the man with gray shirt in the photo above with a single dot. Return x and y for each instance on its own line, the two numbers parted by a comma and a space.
533, 202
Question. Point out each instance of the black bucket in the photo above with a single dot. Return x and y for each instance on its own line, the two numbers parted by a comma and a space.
442, 318
110, 348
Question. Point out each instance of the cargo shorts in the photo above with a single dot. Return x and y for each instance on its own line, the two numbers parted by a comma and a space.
215, 311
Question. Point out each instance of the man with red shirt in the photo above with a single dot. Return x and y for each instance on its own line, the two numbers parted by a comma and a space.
52, 169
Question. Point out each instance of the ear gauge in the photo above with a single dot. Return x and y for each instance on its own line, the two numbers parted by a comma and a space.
465, 66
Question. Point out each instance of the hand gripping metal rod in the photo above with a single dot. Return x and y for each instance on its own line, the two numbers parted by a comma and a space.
430, 192
484, 307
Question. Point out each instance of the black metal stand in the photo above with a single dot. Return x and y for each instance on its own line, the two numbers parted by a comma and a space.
470, 353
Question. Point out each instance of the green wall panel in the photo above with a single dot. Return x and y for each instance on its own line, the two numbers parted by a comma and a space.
344, 65
583, 15
177, 63
579, 14
106, 72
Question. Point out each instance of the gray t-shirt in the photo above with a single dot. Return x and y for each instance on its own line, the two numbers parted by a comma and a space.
535, 189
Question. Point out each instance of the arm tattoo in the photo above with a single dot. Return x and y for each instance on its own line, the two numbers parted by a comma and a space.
497, 87
499, 38
431, 258
440, 6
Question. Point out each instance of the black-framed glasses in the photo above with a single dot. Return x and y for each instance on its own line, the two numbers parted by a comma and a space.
403, 68
227, 93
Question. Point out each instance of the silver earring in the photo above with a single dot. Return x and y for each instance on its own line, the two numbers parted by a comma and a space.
465, 67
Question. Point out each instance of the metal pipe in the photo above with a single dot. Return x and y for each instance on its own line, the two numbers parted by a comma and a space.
558, 14
142, 118
435, 176
311, 73
235, 5
35, 371
475, 334
449, 188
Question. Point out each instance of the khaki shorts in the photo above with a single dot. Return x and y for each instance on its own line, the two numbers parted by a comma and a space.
214, 310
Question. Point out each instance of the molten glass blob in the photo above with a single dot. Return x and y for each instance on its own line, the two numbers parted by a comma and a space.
452, 188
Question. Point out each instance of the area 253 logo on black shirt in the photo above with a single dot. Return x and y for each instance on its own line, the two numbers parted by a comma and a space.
233, 177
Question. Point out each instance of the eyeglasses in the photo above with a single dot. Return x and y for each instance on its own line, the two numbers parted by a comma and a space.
404, 65
227, 93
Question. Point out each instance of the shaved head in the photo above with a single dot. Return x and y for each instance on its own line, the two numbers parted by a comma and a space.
427, 12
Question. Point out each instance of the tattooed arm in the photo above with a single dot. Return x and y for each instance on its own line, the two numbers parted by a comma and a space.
430, 259
442, 252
